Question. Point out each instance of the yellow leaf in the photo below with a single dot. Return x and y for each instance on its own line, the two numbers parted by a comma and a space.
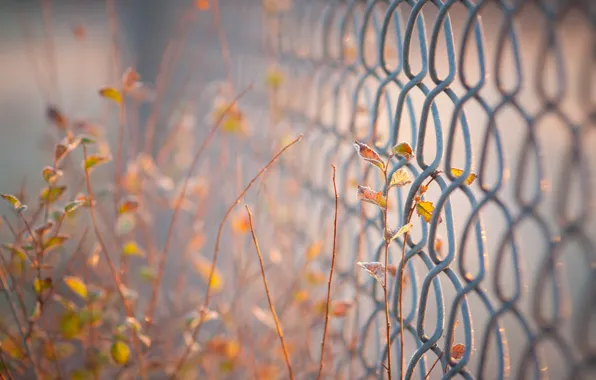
76, 285
400, 178
301, 296
425, 209
403, 150
120, 352
54, 242
225, 347
52, 194
111, 93
274, 78
315, 278
392, 234
131, 248
203, 268
95, 160
368, 154
70, 324
14, 201
366, 194
12, 348
458, 172
314, 250
41, 285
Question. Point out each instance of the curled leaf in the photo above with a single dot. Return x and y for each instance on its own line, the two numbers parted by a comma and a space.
391, 235
425, 209
458, 351
368, 154
458, 172
14, 201
403, 150
375, 269
51, 174
366, 194
76, 285
400, 178
95, 160
111, 93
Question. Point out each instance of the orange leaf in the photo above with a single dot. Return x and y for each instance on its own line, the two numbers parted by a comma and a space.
368, 154
241, 224
314, 250
202, 5
366, 194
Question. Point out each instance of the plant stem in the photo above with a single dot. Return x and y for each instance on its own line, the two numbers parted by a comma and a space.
387, 315
433, 366
330, 276
277, 324
197, 329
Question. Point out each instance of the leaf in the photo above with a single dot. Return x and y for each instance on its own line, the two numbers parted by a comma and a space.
314, 250
58, 351
458, 172
120, 352
425, 209
125, 223
264, 317
147, 273
274, 78
315, 278
368, 154
458, 351
91, 316
128, 205
76, 285
39, 286
403, 150
130, 79
94, 257
400, 178
301, 296
60, 151
128, 293
56, 117
241, 224
375, 269
95, 160
340, 308
72, 206
134, 324
14, 201
70, 324
12, 348
202, 5
225, 347
51, 174
391, 235
366, 194
439, 246
54, 242
203, 268
111, 93
51, 194
131, 248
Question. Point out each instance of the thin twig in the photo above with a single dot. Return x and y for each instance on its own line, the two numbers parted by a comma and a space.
433, 366
113, 269
321, 364
277, 324
387, 316
181, 196
217, 247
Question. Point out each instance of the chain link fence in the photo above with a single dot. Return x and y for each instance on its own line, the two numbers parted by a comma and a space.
504, 285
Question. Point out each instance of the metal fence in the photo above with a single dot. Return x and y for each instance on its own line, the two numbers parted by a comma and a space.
502, 89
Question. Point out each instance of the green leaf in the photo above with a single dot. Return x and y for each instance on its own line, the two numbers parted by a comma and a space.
120, 352
70, 324
72, 206
366, 194
368, 154
125, 223
14, 201
54, 242
95, 160
403, 150
41, 285
400, 178
51, 194
425, 209
90, 316
131, 248
458, 172
51, 174
76, 285
391, 235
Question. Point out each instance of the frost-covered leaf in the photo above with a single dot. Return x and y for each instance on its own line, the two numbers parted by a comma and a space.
368, 154
76, 285
375, 269
458, 172
366, 194
203, 267
425, 209
403, 150
111, 93
120, 352
400, 178
391, 235
51, 194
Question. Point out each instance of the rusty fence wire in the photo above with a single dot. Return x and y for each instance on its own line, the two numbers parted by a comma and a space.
501, 89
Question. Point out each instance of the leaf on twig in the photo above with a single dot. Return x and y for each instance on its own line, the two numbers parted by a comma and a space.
95, 160
366, 194
375, 269
72, 206
76, 285
60, 151
51, 174
264, 317
54, 242
314, 250
120, 352
458, 351
130, 204
111, 94
391, 235
425, 209
458, 172
41, 285
368, 154
14, 201
403, 150
400, 178
131, 248
203, 267
51, 194
340, 308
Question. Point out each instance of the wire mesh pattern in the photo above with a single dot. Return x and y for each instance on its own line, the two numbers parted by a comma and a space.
502, 89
